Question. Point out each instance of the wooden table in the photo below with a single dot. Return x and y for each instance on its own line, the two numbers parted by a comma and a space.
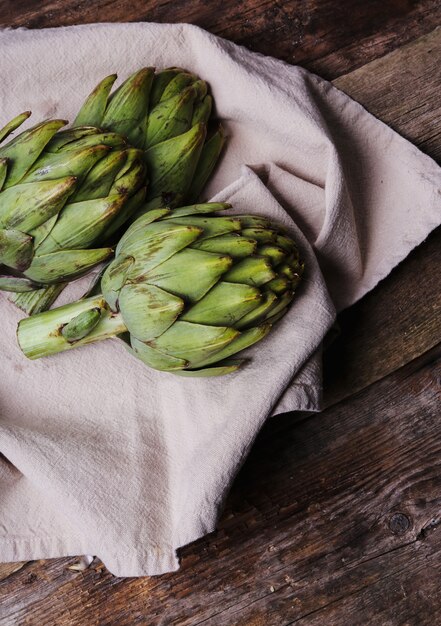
335, 519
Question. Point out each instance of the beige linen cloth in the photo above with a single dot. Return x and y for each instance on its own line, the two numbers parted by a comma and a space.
102, 455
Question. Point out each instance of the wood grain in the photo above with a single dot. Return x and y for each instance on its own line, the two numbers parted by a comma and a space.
6, 569
403, 90
401, 318
333, 518
327, 37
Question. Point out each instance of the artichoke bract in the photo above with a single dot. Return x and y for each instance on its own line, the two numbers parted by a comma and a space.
187, 290
165, 114
61, 192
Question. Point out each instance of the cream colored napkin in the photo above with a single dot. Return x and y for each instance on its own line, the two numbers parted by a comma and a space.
104, 456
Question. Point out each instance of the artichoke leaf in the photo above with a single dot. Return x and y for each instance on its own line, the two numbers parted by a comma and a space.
99, 180
16, 284
189, 273
181, 80
194, 342
127, 108
275, 254
160, 81
147, 310
68, 139
94, 107
65, 264
13, 125
202, 110
246, 339
81, 223
37, 299
16, 249
171, 117
24, 150
138, 228
104, 138
209, 157
114, 278
261, 235
129, 208
224, 305
220, 369
260, 313
196, 209
253, 270
26, 206
160, 242
155, 358
279, 285
232, 244
69, 163
283, 302
211, 226
172, 163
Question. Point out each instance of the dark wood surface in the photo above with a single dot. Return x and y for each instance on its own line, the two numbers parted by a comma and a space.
335, 519
329, 37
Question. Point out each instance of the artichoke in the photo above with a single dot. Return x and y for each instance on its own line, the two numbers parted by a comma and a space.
61, 192
191, 289
163, 115
166, 115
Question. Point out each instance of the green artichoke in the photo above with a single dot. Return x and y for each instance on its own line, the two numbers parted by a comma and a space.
166, 115
163, 115
191, 289
61, 192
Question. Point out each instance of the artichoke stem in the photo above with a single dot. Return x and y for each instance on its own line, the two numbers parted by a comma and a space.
41, 334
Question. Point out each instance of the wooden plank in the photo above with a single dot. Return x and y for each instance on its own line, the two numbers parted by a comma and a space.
331, 516
401, 318
325, 36
403, 90
6, 569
